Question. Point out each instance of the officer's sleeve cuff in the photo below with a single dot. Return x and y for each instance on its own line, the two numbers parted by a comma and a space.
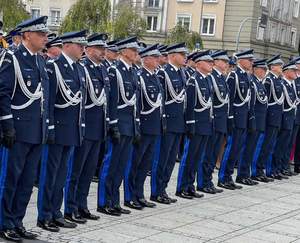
113, 122
51, 127
190, 122
230, 117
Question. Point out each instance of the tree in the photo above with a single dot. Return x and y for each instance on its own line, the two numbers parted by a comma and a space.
93, 15
180, 34
13, 13
127, 22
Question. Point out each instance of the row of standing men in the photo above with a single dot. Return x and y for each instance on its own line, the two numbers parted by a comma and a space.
59, 109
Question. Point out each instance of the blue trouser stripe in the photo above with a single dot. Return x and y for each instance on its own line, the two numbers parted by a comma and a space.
69, 174
102, 176
127, 192
225, 159
2, 181
154, 167
42, 181
182, 165
256, 154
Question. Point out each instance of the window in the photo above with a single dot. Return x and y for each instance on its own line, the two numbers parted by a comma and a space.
210, 1
151, 23
264, 3
153, 3
35, 12
55, 17
296, 8
208, 25
260, 33
184, 20
282, 36
276, 8
189, 1
293, 37
273, 32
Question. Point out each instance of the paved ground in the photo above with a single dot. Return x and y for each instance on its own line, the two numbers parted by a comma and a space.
265, 213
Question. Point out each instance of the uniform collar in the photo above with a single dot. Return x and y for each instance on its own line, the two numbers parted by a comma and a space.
218, 72
109, 62
69, 60
243, 70
260, 80
176, 68
95, 64
288, 81
151, 73
30, 52
125, 63
274, 74
203, 75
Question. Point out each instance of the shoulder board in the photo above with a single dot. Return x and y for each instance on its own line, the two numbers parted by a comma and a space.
51, 61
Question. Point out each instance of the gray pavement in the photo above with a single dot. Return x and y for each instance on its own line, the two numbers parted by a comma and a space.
264, 213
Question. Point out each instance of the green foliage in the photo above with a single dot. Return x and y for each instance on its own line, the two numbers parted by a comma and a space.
13, 13
93, 15
127, 22
180, 34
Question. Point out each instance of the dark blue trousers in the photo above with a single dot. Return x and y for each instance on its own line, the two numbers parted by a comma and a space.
248, 155
292, 141
232, 154
138, 166
267, 150
163, 167
52, 180
282, 145
18, 171
211, 154
191, 163
256, 168
81, 168
112, 172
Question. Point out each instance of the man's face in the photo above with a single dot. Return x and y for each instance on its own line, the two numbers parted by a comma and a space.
54, 51
290, 74
151, 62
178, 59
298, 70
246, 63
163, 59
205, 66
130, 54
222, 65
76, 50
96, 52
111, 55
17, 39
37, 40
277, 69
260, 72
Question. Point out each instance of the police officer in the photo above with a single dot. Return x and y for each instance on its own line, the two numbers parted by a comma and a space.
54, 48
67, 90
239, 90
163, 59
83, 164
273, 84
173, 81
24, 96
190, 66
111, 53
151, 125
256, 126
16, 39
124, 124
220, 113
281, 165
296, 140
199, 127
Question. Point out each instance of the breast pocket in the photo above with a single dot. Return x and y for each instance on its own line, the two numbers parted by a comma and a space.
222, 90
97, 86
129, 90
152, 92
31, 79
177, 85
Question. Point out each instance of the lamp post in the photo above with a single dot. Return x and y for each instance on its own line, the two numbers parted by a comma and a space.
240, 30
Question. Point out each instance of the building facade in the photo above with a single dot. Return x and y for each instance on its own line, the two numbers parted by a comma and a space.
56, 10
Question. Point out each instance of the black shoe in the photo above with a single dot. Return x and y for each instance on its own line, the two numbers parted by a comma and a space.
47, 225
172, 200
226, 185
122, 210
286, 173
61, 222
195, 194
208, 190
75, 217
108, 210
235, 185
133, 205
184, 195
85, 213
146, 204
217, 190
10, 235
244, 181
25, 234
283, 176
260, 179
297, 169
160, 199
